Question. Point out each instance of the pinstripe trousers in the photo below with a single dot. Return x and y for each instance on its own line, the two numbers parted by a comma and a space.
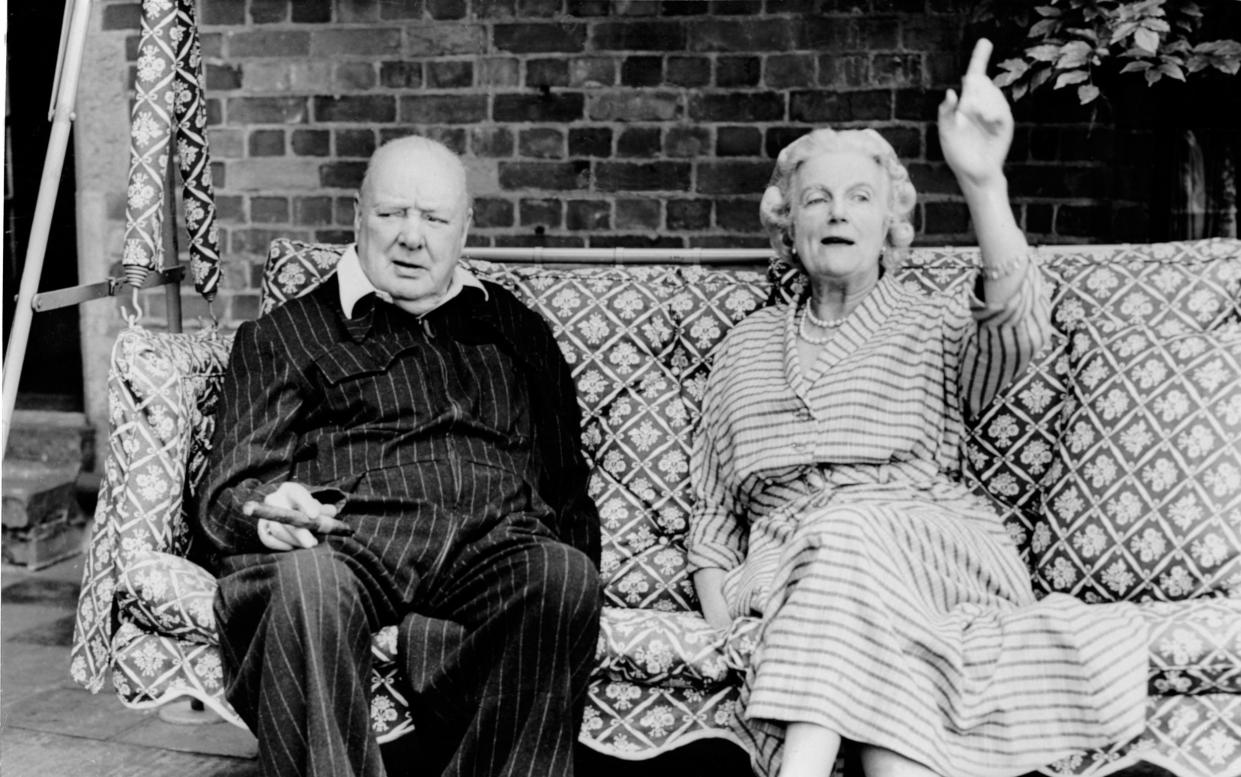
497, 671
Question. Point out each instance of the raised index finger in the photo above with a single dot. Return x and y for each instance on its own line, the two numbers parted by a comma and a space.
979, 59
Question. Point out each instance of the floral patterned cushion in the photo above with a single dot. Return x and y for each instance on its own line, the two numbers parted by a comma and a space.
1189, 286
161, 395
1195, 647
169, 595
633, 721
1143, 498
672, 648
150, 669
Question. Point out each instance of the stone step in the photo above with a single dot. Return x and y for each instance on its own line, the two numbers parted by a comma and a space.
51, 437
36, 493
42, 518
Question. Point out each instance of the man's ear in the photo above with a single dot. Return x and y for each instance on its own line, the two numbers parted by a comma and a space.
357, 215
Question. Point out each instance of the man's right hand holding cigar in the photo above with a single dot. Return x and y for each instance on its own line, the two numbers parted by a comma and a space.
283, 536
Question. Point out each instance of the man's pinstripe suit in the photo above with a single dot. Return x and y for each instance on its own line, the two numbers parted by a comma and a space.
451, 443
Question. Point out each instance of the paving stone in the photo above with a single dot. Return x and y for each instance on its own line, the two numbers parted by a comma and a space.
44, 754
49, 593
56, 633
76, 711
30, 670
218, 738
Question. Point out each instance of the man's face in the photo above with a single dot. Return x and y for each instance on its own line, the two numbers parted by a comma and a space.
410, 222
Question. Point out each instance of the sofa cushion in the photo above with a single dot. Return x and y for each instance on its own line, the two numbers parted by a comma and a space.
169, 595
1183, 286
162, 390
1195, 647
649, 647
152, 669
1143, 498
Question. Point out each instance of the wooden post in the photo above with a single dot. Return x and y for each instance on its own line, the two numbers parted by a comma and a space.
77, 12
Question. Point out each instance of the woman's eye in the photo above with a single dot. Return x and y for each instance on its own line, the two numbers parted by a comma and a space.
817, 199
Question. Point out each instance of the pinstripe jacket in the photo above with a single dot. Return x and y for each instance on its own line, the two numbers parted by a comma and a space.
360, 407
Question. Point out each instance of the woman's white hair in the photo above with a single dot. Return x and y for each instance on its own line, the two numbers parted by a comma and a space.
775, 208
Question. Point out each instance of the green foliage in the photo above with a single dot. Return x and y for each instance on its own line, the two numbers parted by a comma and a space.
1077, 42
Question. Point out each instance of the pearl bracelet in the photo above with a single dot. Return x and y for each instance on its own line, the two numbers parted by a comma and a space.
1002, 271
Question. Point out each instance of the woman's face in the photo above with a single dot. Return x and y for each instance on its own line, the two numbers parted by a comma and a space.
840, 215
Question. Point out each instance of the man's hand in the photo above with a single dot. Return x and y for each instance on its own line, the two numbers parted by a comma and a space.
281, 536
975, 131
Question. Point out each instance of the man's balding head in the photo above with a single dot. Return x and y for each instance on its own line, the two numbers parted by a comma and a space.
411, 218
433, 151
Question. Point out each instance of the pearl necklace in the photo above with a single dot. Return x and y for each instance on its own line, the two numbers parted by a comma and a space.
815, 339
823, 323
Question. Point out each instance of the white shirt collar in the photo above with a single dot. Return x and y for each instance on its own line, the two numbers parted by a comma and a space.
354, 285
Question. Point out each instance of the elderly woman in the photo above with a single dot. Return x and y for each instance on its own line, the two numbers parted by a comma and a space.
896, 613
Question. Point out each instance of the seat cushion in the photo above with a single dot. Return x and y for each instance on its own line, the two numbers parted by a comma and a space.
652, 647
1195, 647
168, 595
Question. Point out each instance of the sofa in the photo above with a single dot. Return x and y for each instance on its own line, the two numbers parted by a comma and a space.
1115, 461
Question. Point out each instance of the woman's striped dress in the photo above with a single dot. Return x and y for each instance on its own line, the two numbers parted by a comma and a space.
896, 609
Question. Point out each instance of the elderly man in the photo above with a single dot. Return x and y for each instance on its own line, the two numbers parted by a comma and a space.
434, 415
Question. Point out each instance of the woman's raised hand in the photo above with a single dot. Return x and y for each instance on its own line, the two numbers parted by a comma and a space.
976, 129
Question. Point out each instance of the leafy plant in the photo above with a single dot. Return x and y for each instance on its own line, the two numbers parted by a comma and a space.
1078, 42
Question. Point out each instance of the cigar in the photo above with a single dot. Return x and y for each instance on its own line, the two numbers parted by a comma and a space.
321, 525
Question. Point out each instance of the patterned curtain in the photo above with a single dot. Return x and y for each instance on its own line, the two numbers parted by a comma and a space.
170, 103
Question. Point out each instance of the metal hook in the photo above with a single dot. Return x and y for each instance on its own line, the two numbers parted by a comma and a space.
138, 313
214, 326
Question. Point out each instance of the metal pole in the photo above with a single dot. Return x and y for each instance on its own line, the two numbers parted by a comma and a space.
49, 185
172, 293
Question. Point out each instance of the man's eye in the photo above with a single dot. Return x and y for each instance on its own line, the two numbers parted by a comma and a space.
434, 219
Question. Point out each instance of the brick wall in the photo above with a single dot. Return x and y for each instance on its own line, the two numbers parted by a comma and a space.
595, 123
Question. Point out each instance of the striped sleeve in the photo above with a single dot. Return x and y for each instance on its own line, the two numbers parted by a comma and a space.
716, 537
1006, 335
255, 437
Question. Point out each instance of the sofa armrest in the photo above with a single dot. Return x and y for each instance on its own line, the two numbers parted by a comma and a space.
162, 391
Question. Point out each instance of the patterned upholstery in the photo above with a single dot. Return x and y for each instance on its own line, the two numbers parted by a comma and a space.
637, 340
1143, 499
1195, 647
169, 108
169, 595
161, 394
672, 648
1193, 286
